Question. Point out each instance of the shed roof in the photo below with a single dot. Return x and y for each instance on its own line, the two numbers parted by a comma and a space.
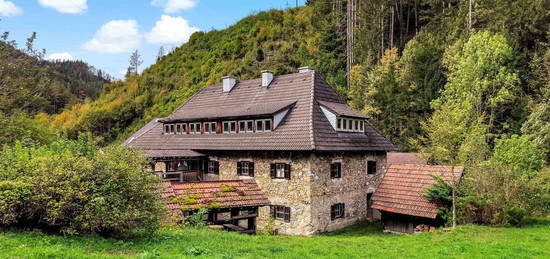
304, 128
403, 186
213, 194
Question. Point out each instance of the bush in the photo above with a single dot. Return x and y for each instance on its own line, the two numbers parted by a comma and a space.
73, 187
197, 218
494, 194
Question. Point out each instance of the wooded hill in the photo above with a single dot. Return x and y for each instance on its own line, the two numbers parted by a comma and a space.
404, 55
31, 84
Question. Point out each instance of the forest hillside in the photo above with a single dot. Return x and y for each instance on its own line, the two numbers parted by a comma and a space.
31, 84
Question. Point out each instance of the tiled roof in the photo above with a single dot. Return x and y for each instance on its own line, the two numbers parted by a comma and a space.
202, 109
213, 194
172, 153
149, 126
305, 127
342, 109
399, 158
403, 186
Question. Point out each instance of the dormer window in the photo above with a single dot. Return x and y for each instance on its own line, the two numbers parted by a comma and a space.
246, 126
263, 125
229, 126
169, 129
209, 127
350, 125
181, 128
194, 128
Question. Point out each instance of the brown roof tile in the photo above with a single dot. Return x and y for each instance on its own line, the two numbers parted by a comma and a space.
304, 128
399, 158
403, 186
222, 194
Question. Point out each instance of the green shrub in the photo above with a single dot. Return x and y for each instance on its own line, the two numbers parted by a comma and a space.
13, 197
73, 187
197, 218
515, 216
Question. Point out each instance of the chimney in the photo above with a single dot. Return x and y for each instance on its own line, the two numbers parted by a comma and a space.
267, 77
305, 69
228, 83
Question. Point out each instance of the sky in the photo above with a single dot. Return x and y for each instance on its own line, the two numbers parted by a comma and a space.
104, 33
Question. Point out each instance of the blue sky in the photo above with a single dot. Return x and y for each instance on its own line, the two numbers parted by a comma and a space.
105, 32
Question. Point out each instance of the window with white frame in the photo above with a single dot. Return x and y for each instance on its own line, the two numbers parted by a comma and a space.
350, 125
209, 127
195, 128
263, 125
169, 128
246, 126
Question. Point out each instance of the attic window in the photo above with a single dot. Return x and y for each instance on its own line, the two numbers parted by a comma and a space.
169, 129
263, 125
209, 127
350, 125
229, 126
195, 128
181, 128
246, 126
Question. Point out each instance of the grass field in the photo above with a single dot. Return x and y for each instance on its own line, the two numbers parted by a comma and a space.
360, 241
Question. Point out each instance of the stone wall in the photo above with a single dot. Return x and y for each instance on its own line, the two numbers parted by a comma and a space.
294, 193
310, 192
351, 189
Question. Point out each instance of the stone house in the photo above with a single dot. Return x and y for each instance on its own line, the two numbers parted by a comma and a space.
315, 159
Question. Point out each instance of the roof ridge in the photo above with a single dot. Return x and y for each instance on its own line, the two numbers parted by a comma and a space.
311, 105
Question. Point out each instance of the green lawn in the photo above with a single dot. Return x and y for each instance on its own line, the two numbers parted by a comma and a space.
360, 241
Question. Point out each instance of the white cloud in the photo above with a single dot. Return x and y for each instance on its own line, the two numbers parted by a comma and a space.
61, 56
170, 30
174, 6
8, 8
66, 6
116, 36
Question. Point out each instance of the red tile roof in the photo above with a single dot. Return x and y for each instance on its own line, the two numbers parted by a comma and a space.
399, 158
213, 194
305, 127
403, 186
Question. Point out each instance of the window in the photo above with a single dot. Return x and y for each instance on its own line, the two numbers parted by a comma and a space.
371, 167
173, 166
259, 126
337, 211
336, 170
280, 171
280, 213
246, 126
213, 167
178, 128
169, 129
229, 126
209, 127
350, 125
195, 128
263, 125
245, 168
225, 127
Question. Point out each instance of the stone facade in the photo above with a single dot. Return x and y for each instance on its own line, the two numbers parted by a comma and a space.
310, 192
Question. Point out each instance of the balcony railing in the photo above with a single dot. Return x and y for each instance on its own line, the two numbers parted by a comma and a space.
181, 176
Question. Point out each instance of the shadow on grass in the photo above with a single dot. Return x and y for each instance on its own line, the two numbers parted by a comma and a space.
360, 229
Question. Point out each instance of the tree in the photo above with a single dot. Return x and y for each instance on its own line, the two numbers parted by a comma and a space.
474, 104
30, 44
135, 62
161, 53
